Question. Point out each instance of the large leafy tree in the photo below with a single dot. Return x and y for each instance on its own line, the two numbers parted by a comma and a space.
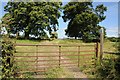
83, 19
6, 21
33, 18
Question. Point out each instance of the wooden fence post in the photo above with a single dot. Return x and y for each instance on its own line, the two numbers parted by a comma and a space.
78, 55
59, 55
101, 42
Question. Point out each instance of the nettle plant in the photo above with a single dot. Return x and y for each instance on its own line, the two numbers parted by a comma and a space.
7, 58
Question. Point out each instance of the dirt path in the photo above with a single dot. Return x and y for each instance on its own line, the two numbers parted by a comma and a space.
74, 70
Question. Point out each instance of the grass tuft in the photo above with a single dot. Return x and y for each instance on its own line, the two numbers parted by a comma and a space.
58, 73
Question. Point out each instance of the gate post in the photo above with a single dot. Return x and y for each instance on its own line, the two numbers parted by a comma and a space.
101, 42
96, 49
59, 55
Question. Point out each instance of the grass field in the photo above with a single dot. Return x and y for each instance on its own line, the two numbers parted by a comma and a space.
108, 46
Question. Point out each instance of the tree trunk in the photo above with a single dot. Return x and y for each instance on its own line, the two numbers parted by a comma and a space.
75, 37
26, 34
17, 35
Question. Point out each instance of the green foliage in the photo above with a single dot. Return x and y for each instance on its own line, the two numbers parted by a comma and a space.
83, 20
54, 35
118, 59
106, 70
113, 39
118, 45
110, 68
0, 29
33, 18
7, 67
53, 73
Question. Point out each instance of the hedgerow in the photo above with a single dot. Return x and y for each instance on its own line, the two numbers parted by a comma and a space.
110, 69
7, 58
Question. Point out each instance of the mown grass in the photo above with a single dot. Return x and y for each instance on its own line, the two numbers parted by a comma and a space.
108, 46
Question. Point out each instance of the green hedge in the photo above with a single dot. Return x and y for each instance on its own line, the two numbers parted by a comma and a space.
110, 69
7, 58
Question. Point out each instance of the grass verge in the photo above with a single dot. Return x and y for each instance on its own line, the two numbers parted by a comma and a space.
58, 73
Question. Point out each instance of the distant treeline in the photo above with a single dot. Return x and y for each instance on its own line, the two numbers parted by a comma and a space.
114, 39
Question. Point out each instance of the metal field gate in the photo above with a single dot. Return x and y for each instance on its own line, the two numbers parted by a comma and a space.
39, 58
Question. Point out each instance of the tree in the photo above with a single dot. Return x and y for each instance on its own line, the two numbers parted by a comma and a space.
83, 19
54, 35
0, 26
34, 18
6, 21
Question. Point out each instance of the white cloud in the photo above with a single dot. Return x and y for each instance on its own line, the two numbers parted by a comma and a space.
105, 0
112, 32
113, 29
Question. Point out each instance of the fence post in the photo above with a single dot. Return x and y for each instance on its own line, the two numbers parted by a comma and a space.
101, 42
96, 49
78, 55
59, 55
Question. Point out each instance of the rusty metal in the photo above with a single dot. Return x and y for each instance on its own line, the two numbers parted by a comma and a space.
78, 55
24, 52
60, 54
80, 51
88, 51
32, 71
39, 66
96, 49
70, 59
68, 63
54, 45
38, 52
36, 57
86, 54
48, 60
35, 60
24, 61
39, 56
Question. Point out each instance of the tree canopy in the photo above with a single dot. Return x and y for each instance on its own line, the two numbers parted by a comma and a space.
33, 18
83, 19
